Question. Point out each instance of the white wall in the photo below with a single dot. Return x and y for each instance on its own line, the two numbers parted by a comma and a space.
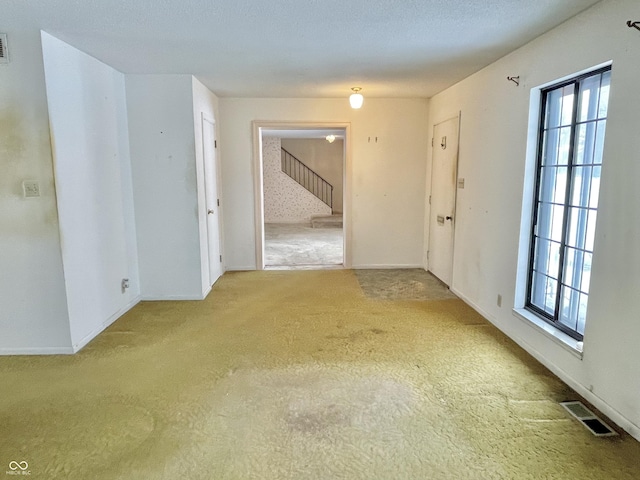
493, 146
324, 158
165, 182
87, 114
285, 200
387, 197
204, 102
30, 251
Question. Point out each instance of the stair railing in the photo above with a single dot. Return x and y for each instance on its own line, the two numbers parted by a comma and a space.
307, 178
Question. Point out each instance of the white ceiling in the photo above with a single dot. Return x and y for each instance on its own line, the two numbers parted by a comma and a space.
297, 48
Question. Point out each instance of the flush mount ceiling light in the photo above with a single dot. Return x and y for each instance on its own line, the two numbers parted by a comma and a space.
330, 138
356, 99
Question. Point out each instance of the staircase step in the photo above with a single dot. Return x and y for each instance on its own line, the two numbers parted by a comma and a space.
326, 221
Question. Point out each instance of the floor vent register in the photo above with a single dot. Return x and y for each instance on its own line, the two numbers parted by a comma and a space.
588, 419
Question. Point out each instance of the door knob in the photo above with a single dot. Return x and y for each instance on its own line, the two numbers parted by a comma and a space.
210, 212
449, 218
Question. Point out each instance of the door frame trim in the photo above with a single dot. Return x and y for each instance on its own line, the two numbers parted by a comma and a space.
258, 181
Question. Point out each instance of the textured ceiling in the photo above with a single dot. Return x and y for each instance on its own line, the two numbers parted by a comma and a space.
297, 48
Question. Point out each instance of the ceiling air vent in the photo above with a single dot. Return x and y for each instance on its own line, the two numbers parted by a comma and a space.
4, 52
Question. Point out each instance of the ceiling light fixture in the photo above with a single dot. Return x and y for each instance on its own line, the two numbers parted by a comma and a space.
356, 99
330, 138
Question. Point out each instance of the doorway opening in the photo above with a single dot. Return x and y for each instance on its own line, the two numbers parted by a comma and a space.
302, 212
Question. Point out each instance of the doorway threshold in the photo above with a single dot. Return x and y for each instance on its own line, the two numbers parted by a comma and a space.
304, 267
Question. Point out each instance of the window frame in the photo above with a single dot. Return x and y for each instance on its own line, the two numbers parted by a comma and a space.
553, 319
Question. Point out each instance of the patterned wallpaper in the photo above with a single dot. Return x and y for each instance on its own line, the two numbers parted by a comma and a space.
284, 200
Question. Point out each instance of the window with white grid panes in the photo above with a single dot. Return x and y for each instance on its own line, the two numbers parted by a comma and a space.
570, 145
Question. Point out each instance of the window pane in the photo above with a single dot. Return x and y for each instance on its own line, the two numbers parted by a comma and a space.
589, 98
554, 108
553, 269
581, 183
591, 230
550, 296
569, 303
604, 94
556, 143
557, 222
550, 218
582, 313
573, 263
550, 147
560, 106
544, 220
541, 259
599, 141
586, 272
553, 184
547, 257
564, 145
572, 229
576, 235
569, 260
543, 293
585, 142
547, 183
538, 290
595, 187
567, 104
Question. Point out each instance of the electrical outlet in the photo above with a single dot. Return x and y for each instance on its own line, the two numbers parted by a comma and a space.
499, 301
124, 285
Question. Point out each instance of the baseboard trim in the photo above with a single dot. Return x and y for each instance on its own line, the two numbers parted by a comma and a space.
387, 266
293, 222
248, 268
615, 416
90, 336
37, 351
75, 347
171, 298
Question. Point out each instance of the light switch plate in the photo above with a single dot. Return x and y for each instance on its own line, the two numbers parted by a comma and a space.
31, 188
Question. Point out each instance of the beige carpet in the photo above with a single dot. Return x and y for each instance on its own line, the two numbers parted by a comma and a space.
298, 375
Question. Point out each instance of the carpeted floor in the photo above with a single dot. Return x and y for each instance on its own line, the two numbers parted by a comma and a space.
287, 244
408, 284
299, 375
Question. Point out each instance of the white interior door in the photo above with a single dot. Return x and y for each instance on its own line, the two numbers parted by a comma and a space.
443, 199
211, 190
